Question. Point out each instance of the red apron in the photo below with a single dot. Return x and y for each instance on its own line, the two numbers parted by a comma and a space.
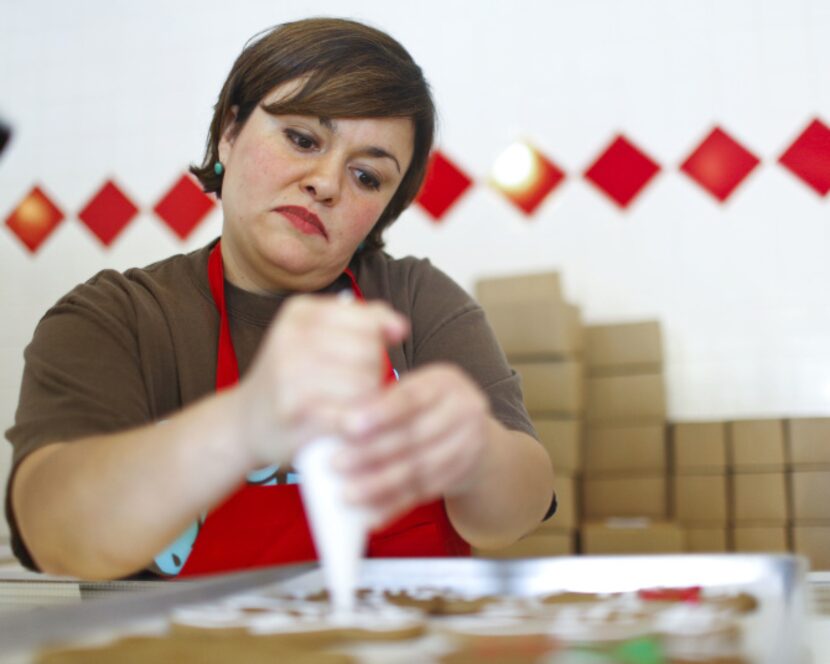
260, 525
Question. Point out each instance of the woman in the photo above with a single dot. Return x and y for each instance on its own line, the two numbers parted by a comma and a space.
134, 436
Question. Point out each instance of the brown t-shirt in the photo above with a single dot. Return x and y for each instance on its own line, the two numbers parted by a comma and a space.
123, 350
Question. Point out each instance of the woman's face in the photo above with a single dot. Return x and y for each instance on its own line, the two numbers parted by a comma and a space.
300, 193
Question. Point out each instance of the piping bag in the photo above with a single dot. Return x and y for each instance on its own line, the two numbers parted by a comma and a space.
340, 530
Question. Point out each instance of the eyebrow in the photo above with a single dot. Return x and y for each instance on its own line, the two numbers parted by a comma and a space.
371, 151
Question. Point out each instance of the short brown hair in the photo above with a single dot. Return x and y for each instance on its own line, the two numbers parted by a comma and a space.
351, 71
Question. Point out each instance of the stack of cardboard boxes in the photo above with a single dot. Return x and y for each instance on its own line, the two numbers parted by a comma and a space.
700, 484
809, 456
596, 396
625, 485
754, 486
760, 503
541, 334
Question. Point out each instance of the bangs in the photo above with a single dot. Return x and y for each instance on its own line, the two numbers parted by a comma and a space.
353, 93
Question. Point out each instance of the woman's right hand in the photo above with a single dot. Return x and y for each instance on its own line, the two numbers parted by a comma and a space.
321, 356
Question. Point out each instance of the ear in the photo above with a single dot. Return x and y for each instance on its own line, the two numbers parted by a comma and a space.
229, 132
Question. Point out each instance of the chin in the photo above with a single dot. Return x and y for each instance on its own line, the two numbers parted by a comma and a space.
303, 268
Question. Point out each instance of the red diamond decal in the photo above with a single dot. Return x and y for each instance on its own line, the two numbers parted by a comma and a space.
108, 213
719, 164
525, 176
622, 171
443, 186
184, 206
34, 219
809, 156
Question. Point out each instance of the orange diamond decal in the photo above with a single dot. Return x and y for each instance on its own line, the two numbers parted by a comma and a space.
525, 176
34, 219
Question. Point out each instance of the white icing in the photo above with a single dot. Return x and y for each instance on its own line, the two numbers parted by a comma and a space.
482, 625
210, 617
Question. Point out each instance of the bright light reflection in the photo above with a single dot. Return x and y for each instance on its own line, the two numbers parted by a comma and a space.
515, 167
630, 573
33, 212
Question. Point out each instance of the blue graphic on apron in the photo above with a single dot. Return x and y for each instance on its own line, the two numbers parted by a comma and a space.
264, 476
173, 558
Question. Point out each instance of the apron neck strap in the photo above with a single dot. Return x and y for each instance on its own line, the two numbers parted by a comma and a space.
227, 367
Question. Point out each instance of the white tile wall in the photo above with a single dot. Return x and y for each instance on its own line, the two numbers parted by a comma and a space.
105, 88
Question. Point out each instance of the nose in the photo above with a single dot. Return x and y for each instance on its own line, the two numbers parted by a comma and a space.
322, 181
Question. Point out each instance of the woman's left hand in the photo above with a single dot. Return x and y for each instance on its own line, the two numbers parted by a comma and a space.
422, 438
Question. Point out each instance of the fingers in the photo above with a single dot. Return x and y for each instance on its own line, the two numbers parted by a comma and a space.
321, 355
326, 318
327, 337
339, 344
415, 413
406, 482
414, 442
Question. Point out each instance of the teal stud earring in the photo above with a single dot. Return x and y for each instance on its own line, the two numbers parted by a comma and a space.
218, 168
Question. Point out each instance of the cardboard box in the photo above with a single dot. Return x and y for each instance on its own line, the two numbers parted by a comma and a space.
621, 449
814, 543
809, 442
631, 536
624, 348
811, 495
628, 496
552, 387
542, 328
699, 447
760, 498
531, 286
634, 399
706, 540
567, 505
577, 333
701, 499
535, 545
562, 438
760, 539
757, 445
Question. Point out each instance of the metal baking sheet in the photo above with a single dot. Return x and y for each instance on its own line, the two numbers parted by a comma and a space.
775, 633
24, 631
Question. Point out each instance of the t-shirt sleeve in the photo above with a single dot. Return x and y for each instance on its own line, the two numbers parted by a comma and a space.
82, 372
449, 326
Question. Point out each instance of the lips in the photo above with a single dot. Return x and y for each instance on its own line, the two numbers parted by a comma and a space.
304, 220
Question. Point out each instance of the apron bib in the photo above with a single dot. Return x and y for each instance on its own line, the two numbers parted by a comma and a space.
262, 525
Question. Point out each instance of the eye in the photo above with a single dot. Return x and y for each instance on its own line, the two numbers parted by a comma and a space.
301, 140
367, 180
